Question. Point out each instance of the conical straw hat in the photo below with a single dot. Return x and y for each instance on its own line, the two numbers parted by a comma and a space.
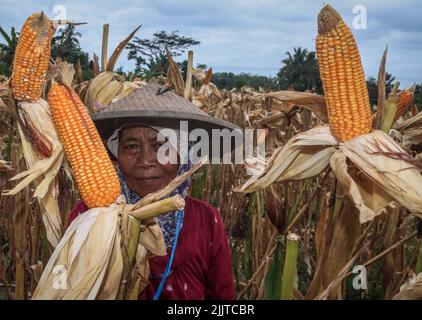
150, 107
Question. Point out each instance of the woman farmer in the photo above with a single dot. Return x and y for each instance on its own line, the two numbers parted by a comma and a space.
201, 266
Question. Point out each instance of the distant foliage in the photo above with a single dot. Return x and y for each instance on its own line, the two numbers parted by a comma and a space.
66, 46
300, 70
229, 80
418, 96
150, 54
7, 50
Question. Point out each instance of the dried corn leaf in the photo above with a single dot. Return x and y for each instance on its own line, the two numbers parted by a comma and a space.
200, 101
117, 52
37, 270
345, 232
95, 66
322, 241
331, 288
393, 262
274, 119
174, 76
208, 76
409, 131
381, 101
78, 72
82, 88
310, 101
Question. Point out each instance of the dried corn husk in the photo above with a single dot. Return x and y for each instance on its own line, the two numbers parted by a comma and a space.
383, 173
43, 169
102, 89
311, 101
106, 86
208, 90
411, 290
200, 101
368, 198
304, 156
82, 88
127, 88
82, 261
174, 76
393, 174
200, 74
67, 72
409, 132
7, 102
93, 262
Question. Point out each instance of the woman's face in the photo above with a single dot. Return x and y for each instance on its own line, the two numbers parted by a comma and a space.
138, 161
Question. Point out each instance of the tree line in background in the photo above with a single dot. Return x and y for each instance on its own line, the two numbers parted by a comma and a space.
299, 69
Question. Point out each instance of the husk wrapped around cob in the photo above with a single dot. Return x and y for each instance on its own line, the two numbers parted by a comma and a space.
374, 170
104, 253
41, 146
43, 153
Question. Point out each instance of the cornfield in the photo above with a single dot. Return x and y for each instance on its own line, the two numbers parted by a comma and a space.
326, 210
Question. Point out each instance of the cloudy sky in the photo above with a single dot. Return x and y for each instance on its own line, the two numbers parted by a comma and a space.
240, 35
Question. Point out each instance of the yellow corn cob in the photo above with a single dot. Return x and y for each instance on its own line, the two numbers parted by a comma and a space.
31, 58
95, 175
406, 100
346, 94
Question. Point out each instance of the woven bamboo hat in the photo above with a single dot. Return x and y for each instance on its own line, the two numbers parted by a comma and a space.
150, 106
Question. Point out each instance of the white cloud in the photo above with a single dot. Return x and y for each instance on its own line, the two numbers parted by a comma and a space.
240, 35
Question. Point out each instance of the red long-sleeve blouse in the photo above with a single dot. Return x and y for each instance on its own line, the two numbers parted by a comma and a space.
202, 266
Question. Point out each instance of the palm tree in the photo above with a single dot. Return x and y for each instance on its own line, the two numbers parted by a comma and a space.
154, 67
150, 54
389, 79
300, 70
7, 50
66, 44
372, 85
